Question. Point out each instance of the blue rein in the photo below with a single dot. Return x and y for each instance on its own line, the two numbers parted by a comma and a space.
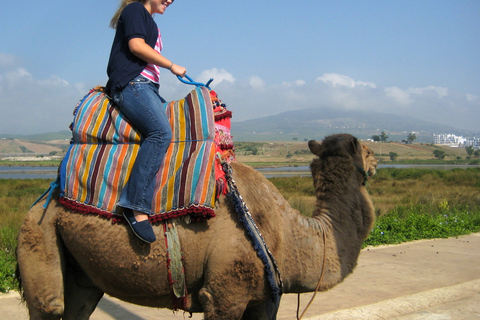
194, 83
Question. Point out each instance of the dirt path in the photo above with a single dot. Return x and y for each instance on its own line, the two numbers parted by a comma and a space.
431, 279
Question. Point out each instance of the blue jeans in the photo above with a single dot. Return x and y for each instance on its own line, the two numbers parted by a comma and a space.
144, 108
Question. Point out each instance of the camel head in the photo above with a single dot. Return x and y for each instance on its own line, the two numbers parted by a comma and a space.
346, 145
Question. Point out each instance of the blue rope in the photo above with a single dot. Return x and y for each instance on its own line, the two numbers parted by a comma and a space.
194, 83
271, 268
55, 184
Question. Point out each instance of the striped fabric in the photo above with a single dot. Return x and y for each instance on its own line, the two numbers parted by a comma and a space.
105, 146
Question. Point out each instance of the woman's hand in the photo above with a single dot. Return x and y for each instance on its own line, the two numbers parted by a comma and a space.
178, 70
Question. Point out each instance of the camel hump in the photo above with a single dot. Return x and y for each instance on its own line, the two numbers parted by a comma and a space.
104, 147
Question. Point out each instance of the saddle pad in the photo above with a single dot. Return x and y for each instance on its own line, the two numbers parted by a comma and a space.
104, 147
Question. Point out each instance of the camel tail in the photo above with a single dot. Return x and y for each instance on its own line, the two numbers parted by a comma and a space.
18, 277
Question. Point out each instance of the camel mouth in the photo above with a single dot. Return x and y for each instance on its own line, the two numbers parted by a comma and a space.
369, 161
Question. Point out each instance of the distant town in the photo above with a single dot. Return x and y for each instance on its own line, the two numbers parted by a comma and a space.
456, 141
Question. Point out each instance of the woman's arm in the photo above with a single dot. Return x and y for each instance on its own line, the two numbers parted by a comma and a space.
142, 50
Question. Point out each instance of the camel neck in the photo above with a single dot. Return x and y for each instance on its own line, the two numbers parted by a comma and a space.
311, 240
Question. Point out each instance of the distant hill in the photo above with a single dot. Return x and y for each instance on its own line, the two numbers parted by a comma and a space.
39, 144
316, 123
59, 135
306, 124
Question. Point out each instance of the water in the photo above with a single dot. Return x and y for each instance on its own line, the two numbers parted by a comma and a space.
303, 171
28, 172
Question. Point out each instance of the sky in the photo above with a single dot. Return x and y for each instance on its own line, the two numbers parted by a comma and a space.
415, 58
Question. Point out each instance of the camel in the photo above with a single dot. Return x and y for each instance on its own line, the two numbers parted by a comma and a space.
67, 261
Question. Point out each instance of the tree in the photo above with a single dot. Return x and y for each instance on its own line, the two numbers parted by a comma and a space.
411, 137
476, 154
469, 150
393, 155
376, 138
439, 154
383, 137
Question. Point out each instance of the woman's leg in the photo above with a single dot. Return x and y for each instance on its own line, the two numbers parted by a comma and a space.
143, 107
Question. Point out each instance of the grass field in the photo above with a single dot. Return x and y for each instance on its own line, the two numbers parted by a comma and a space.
294, 153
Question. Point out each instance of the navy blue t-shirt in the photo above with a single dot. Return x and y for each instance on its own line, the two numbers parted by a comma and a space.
123, 66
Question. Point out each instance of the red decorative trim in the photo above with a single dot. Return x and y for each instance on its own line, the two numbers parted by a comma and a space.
226, 146
88, 209
222, 187
224, 115
196, 213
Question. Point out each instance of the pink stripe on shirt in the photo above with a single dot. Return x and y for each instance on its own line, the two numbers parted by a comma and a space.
152, 71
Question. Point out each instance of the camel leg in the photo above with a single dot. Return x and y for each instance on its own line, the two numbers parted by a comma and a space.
212, 310
258, 312
81, 295
40, 264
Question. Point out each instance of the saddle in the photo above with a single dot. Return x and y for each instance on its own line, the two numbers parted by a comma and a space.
104, 146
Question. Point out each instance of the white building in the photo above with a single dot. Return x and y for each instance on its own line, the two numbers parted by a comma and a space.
455, 141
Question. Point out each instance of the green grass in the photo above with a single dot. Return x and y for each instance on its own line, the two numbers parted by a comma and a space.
16, 197
418, 222
7, 271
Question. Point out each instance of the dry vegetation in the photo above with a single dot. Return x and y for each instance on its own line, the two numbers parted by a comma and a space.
296, 152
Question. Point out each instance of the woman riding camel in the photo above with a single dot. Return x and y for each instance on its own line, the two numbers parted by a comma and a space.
133, 84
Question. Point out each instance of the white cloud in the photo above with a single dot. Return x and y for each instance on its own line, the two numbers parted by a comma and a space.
429, 103
219, 75
296, 83
439, 91
7, 61
30, 105
256, 83
335, 80
471, 97
398, 95
408, 96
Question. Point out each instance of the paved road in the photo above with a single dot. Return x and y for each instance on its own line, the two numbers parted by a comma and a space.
424, 280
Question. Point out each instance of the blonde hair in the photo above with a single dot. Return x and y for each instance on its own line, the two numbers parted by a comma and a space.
116, 16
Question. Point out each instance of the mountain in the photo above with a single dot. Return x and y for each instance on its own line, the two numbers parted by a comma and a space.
59, 135
51, 143
313, 123
316, 123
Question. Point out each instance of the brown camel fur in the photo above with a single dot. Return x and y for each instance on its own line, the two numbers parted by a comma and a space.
67, 261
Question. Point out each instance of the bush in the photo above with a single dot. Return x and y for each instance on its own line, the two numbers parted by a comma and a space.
7, 271
423, 222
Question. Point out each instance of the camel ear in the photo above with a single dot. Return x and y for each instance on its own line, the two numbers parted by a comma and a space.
315, 147
354, 145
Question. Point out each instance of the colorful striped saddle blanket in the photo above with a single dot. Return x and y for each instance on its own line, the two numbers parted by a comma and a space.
104, 147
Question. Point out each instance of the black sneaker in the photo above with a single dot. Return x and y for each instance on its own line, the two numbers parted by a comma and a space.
143, 229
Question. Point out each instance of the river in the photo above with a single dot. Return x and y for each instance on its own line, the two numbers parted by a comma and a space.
28, 172
51, 172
